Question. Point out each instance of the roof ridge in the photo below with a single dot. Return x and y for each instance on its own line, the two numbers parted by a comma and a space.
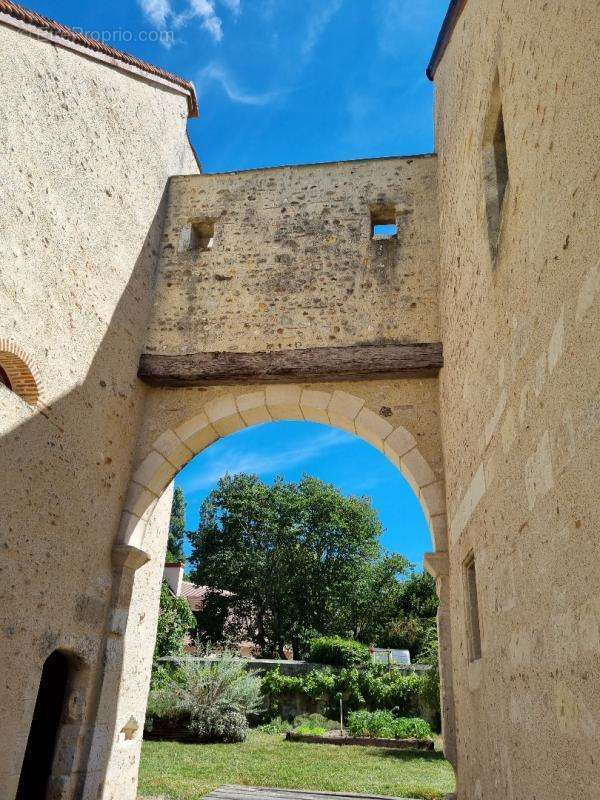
57, 29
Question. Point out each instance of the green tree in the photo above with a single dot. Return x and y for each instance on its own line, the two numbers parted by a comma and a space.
176, 527
175, 620
418, 597
292, 554
377, 598
414, 623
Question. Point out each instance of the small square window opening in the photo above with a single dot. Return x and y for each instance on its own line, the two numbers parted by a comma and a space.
384, 224
202, 235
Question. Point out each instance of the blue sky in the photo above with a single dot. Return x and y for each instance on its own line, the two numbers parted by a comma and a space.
288, 82
284, 81
293, 448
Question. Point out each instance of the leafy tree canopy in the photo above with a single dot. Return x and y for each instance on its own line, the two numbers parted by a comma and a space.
300, 560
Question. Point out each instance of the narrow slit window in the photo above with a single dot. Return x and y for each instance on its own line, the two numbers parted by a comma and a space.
472, 609
202, 235
384, 224
495, 168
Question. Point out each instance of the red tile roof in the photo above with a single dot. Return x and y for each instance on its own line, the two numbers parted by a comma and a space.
195, 595
108, 54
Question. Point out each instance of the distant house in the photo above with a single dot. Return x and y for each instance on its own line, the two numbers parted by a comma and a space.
196, 596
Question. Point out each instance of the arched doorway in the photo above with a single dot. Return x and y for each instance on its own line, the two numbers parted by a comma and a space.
398, 417
43, 734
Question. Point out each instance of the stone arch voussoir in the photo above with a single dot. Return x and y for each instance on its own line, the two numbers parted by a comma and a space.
232, 412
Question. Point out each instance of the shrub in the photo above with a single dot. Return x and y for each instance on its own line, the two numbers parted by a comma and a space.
175, 620
277, 725
379, 724
310, 730
430, 689
211, 701
413, 728
373, 686
315, 721
392, 690
338, 652
385, 725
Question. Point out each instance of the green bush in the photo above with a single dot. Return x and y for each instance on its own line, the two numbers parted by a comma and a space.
413, 728
385, 725
211, 701
175, 620
392, 690
314, 722
372, 686
310, 730
277, 725
338, 652
379, 724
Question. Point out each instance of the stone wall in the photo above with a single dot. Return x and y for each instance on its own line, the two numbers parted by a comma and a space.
293, 263
88, 151
519, 395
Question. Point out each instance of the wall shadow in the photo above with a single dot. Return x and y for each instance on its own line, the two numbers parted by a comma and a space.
65, 471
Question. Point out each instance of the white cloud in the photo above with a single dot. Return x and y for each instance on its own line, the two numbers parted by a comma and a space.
235, 6
163, 12
233, 458
317, 23
216, 73
157, 11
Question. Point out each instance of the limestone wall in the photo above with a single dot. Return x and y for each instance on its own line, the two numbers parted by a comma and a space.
519, 396
292, 262
87, 153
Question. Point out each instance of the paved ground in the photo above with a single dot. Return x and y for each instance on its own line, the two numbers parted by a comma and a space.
261, 793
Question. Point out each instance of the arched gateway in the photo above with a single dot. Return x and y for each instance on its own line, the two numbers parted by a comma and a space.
182, 423
319, 292
276, 300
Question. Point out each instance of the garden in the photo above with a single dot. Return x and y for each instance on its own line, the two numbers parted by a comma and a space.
213, 722
331, 720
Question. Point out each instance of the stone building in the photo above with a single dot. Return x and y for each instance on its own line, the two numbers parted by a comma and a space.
148, 309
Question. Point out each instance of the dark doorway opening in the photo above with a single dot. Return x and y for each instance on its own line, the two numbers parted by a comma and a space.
41, 744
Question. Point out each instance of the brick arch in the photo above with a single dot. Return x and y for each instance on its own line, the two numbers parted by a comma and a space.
20, 370
174, 448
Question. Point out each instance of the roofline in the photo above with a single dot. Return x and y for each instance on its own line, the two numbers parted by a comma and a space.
311, 165
455, 9
46, 29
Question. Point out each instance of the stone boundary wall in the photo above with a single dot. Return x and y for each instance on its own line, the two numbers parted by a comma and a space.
289, 667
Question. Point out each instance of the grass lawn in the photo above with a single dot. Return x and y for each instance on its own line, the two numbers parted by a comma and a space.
191, 771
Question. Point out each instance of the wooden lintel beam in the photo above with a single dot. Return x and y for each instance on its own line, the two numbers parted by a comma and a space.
312, 365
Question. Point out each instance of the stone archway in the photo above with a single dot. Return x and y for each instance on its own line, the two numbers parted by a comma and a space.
176, 446
187, 424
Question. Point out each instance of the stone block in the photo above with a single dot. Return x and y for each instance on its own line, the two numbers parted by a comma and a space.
414, 464
173, 449
155, 473
399, 442
283, 402
373, 428
197, 433
253, 408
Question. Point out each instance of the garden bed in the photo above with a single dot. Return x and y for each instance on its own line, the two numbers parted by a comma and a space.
364, 741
